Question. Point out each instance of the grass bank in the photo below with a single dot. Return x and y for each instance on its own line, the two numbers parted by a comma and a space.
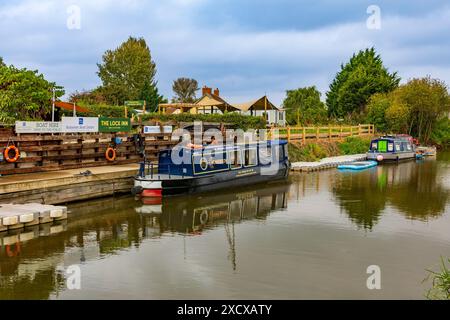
314, 151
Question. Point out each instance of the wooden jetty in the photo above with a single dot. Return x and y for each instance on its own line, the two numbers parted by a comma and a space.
326, 163
17, 216
67, 185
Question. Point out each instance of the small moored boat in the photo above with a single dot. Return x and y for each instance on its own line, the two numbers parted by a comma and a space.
186, 170
392, 148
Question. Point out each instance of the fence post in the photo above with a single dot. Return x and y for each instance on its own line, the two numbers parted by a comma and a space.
317, 133
289, 134
351, 131
359, 129
329, 132
340, 131
304, 135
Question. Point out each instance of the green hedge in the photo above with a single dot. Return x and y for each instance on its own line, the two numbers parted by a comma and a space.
238, 120
100, 110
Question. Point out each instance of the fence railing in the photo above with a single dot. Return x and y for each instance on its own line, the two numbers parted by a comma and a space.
305, 134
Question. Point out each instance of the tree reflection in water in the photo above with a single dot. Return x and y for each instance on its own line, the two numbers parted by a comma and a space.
413, 188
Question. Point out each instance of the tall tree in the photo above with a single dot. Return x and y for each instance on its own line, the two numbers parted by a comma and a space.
303, 106
184, 89
126, 70
25, 94
363, 76
2, 64
151, 95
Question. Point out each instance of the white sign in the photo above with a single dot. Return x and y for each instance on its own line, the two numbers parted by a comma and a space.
38, 127
79, 124
157, 129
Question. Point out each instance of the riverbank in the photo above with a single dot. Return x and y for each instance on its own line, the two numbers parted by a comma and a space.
318, 150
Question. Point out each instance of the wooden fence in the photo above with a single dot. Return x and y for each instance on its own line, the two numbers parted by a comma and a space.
50, 152
306, 134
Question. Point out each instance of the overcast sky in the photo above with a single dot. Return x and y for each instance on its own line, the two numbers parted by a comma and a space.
245, 48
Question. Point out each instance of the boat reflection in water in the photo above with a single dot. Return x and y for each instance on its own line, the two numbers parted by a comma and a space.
32, 260
193, 214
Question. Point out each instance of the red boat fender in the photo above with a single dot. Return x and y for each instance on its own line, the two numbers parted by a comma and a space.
152, 193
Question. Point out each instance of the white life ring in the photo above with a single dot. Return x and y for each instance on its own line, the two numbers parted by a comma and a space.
203, 163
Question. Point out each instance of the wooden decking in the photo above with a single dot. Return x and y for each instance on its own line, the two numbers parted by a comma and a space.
67, 185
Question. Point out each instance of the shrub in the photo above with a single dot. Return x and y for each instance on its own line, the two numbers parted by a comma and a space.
440, 135
354, 145
237, 120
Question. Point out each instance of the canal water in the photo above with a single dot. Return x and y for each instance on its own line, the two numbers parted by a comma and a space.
313, 237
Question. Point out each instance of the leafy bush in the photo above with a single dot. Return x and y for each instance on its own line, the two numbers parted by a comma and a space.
441, 133
354, 145
239, 121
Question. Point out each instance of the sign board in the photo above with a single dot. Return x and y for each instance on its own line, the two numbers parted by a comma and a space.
136, 103
114, 124
79, 124
38, 127
157, 129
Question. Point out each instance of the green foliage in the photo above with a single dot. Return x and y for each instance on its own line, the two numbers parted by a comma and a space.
414, 108
363, 76
239, 121
151, 95
376, 111
102, 110
2, 64
89, 97
184, 89
314, 151
25, 94
427, 100
354, 145
397, 115
126, 70
303, 106
441, 283
441, 133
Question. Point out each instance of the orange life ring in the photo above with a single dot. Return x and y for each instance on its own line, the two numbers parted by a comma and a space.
14, 253
110, 154
8, 157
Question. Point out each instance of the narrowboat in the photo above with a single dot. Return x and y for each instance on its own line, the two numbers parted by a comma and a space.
391, 148
185, 169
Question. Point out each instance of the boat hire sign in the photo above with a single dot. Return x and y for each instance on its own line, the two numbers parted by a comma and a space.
114, 124
38, 127
79, 124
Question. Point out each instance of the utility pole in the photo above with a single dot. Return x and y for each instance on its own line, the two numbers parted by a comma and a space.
53, 105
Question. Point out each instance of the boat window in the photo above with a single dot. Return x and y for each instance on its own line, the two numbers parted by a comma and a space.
408, 147
250, 157
390, 147
235, 158
265, 154
398, 146
382, 145
374, 146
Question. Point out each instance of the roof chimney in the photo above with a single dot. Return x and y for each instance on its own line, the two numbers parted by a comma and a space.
216, 92
206, 90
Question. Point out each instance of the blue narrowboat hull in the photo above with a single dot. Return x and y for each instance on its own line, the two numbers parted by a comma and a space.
220, 180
